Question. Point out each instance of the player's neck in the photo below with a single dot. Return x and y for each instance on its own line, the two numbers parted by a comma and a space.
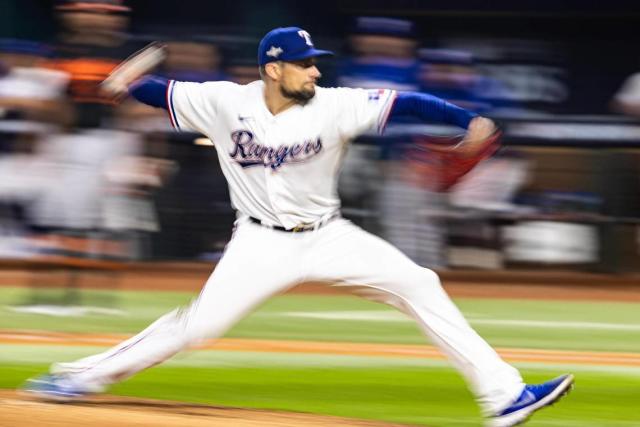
275, 101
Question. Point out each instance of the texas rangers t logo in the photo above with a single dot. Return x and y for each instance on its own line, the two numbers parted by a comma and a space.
249, 153
306, 37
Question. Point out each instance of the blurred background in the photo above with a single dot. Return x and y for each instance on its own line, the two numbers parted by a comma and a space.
83, 178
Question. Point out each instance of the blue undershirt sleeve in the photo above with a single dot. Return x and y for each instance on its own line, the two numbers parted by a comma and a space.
150, 90
430, 108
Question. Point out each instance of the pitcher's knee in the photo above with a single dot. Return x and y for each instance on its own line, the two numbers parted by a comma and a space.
196, 332
419, 280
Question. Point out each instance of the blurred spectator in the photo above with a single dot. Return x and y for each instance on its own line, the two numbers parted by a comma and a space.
69, 213
451, 75
74, 165
129, 209
412, 211
132, 177
92, 40
194, 60
30, 96
383, 55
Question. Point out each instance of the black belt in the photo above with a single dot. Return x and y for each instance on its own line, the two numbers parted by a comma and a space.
298, 228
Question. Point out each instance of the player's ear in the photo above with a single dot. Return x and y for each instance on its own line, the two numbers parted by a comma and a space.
273, 70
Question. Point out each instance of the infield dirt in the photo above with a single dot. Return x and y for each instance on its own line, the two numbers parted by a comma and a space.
108, 411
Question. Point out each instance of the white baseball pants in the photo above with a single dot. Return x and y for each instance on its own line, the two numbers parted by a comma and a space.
260, 262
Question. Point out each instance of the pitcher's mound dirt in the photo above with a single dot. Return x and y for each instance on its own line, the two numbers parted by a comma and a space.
17, 410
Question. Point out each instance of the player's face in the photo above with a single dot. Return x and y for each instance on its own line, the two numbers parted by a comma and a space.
299, 79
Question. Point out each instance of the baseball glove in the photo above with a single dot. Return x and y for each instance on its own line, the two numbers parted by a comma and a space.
445, 160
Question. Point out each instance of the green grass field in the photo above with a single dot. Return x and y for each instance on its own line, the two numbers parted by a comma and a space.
405, 390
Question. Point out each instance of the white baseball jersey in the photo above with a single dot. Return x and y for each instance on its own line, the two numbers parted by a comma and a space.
282, 169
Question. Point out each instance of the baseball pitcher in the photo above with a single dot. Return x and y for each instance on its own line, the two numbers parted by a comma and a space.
280, 141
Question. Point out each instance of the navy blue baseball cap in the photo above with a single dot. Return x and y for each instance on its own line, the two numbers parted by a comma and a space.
287, 44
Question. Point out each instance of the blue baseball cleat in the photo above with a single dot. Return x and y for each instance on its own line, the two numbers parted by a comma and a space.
58, 388
533, 397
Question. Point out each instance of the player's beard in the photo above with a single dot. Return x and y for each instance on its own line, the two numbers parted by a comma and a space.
301, 96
